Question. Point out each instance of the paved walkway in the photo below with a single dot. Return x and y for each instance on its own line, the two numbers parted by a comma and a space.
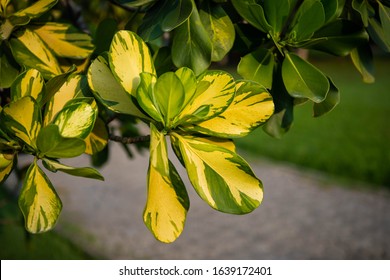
303, 216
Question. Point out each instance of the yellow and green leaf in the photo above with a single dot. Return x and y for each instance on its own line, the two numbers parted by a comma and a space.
110, 93
22, 118
3, 7
146, 97
7, 162
252, 106
65, 40
221, 177
76, 120
129, 56
39, 201
97, 140
167, 202
29, 50
215, 91
29, 83
36, 9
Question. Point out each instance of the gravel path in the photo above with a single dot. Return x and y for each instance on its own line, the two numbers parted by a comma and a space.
303, 216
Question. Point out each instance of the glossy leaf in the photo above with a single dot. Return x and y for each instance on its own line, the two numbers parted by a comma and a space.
276, 13
22, 118
65, 40
108, 90
220, 29
192, 45
51, 144
188, 79
252, 13
36, 9
146, 98
167, 200
221, 177
363, 60
86, 172
252, 106
76, 120
29, 50
332, 100
215, 92
129, 56
258, 66
303, 80
39, 201
29, 83
7, 163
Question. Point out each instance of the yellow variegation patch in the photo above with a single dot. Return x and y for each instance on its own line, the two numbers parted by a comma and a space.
29, 83
215, 92
6, 165
252, 106
23, 119
39, 201
38, 8
221, 177
129, 56
97, 140
65, 40
167, 203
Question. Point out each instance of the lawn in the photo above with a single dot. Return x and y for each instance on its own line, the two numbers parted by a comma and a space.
352, 141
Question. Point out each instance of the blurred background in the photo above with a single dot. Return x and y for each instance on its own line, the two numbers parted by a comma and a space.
327, 193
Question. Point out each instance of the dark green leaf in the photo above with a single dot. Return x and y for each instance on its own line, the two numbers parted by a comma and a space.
303, 80
363, 8
163, 60
363, 60
331, 101
104, 34
276, 12
384, 15
378, 35
252, 13
332, 9
8, 68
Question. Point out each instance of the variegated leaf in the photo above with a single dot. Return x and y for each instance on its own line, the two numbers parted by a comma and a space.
167, 203
7, 162
37, 9
29, 83
129, 56
215, 91
65, 40
23, 119
97, 140
29, 50
221, 177
251, 107
107, 89
39, 201
76, 120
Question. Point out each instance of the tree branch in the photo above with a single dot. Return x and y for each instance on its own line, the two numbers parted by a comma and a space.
130, 140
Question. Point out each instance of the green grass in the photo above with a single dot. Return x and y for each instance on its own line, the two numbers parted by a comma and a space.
16, 243
352, 141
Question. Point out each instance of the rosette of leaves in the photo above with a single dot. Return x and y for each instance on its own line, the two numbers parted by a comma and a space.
31, 41
200, 115
64, 129
290, 25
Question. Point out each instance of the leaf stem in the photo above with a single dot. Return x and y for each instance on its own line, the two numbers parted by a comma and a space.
130, 140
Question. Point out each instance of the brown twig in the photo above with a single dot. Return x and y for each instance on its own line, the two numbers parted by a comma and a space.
130, 140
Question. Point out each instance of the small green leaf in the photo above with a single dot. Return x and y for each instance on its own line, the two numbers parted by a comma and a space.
330, 102
332, 9
51, 144
76, 120
192, 45
363, 60
258, 66
220, 29
276, 13
384, 15
146, 98
221, 177
377, 34
86, 172
39, 201
29, 83
302, 79
252, 13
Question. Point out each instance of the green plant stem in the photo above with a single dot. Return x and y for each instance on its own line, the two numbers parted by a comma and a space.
130, 140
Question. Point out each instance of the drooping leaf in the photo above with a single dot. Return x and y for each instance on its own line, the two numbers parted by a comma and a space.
215, 92
258, 66
23, 119
8, 68
76, 120
29, 50
65, 40
331, 101
252, 13
167, 201
191, 45
51, 144
86, 172
36, 9
303, 80
39, 201
29, 83
221, 177
363, 60
97, 140
252, 106
129, 56
108, 91
220, 29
